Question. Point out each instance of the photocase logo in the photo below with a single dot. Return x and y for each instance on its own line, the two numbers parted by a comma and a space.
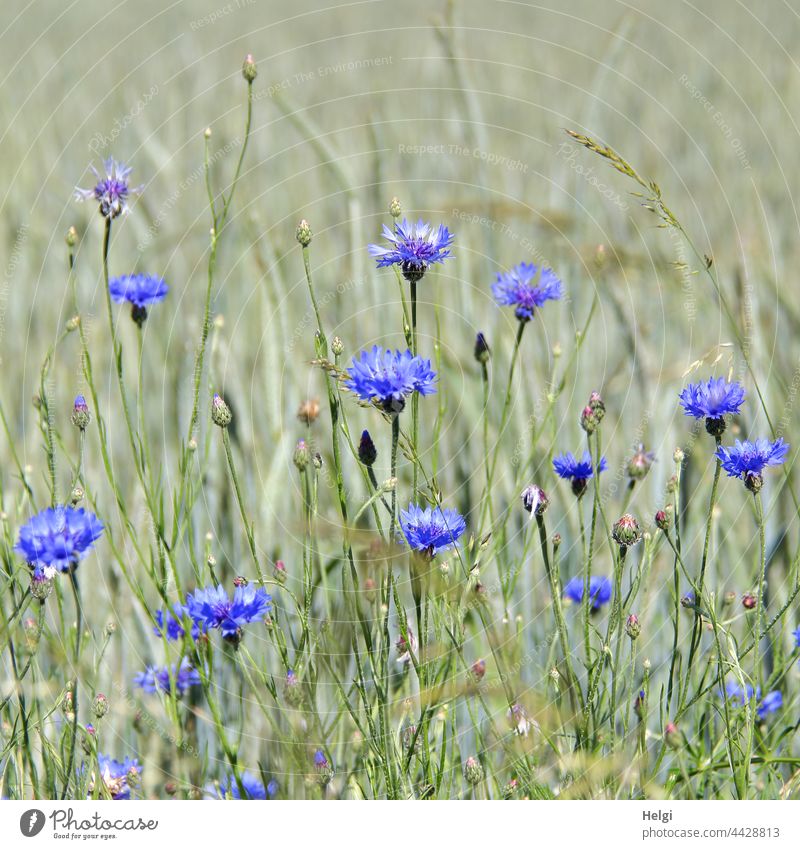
31, 822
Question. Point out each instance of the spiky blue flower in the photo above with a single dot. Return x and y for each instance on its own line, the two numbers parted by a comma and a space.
567, 466
174, 619
57, 539
112, 189
431, 530
748, 459
712, 400
414, 247
740, 696
320, 761
771, 703
212, 608
526, 289
253, 788
389, 377
140, 290
600, 589
116, 775
158, 678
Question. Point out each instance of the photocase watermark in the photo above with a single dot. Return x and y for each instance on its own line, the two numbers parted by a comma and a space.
718, 119
10, 271
568, 152
459, 150
65, 825
100, 141
321, 72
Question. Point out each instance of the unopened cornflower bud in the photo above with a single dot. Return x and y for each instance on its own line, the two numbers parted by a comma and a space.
240, 581
473, 771
367, 453
478, 670
192, 445
600, 256
639, 465
73, 323
279, 571
633, 627
337, 346
111, 627
672, 736
482, 350
749, 601
678, 456
76, 495
170, 788
221, 413
80, 413
626, 531
662, 519
301, 455
249, 70
207, 133
597, 406
556, 540
370, 589
511, 789
308, 411
100, 706
395, 210
535, 500
67, 702
303, 233
729, 598
292, 689
71, 237
639, 703
589, 420
687, 600
672, 484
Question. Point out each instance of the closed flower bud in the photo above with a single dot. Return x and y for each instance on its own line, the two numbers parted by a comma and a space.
370, 589
100, 706
678, 456
663, 518
170, 788
535, 500
308, 411
316, 459
71, 238
589, 420
303, 233
597, 406
67, 702
221, 413
337, 346
626, 531
556, 540
111, 627
639, 465
249, 70
632, 626
478, 670
749, 601
367, 453
729, 598
482, 351
80, 413
293, 689
511, 789
239, 580
395, 210
687, 600
473, 771
73, 323
279, 571
672, 736
672, 484
76, 495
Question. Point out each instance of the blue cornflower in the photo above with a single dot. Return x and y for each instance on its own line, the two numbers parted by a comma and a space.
253, 787
431, 530
174, 622
600, 589
414, 247
577, 471
747, 460
526, 289
796, 635
211, 608
140, 291
320, 761
771, 703
57, 539
389, 377
712, 401
158, 678
117, 774
112, 190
